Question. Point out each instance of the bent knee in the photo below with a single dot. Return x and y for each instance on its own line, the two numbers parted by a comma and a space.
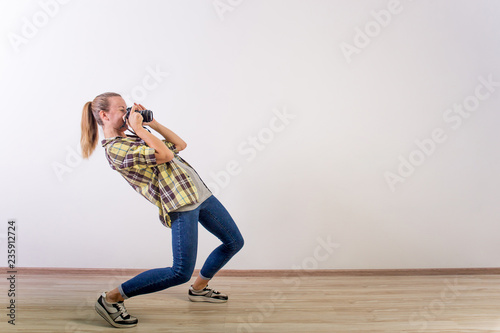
238, 243
183, 275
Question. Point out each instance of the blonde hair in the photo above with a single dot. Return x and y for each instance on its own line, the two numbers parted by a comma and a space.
90, 120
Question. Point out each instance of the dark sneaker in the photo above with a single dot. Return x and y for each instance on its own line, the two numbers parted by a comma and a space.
206, 295
114, 313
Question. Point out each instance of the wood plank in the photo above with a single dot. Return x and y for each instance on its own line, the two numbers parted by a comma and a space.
62, 300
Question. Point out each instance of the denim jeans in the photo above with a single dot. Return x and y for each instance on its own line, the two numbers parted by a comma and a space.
216, 219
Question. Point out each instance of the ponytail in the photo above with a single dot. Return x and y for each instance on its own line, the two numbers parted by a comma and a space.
90, 132
90, 120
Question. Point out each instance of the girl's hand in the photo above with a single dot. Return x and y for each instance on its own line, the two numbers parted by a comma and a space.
135, 118
152, 123
139, 107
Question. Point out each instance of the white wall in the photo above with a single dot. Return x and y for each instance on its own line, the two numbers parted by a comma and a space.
222, 75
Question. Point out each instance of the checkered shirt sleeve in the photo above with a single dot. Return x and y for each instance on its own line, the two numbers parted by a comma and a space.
126, 155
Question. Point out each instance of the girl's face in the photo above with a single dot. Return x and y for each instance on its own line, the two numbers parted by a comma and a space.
114, 117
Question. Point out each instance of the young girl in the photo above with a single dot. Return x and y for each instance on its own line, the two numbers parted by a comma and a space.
155, 170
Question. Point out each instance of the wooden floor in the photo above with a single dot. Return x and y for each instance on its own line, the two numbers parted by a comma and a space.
56, 302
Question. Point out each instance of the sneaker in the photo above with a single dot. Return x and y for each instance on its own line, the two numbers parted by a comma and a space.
114, 313
206, 295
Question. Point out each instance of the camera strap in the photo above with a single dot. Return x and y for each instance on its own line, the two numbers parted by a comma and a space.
142, 127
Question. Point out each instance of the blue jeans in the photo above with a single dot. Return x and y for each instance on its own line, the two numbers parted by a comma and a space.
216, 219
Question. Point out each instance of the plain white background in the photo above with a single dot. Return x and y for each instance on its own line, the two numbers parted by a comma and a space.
361, 86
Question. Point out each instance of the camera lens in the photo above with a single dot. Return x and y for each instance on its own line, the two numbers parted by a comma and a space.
147, 115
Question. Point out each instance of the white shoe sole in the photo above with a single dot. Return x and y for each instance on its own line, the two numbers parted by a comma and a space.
206, 299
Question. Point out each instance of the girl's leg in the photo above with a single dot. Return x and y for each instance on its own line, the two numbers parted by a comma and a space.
217, 220
199, 284
184, 248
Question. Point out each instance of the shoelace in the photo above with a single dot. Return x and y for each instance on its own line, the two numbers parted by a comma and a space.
212, 292
123, 311
209, 291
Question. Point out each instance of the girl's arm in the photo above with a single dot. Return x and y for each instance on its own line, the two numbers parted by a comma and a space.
168, 134
162, 153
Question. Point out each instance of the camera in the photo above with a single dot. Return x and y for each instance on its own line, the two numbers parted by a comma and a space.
147, 115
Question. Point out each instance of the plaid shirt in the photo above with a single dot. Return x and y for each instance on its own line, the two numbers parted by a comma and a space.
166, 185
